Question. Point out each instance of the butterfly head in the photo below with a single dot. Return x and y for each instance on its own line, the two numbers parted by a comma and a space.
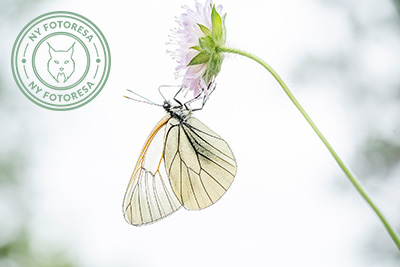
178, 110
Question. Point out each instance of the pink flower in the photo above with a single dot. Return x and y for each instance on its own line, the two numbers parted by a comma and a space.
199, 33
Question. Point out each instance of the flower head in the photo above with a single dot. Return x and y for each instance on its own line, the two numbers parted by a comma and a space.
198, 37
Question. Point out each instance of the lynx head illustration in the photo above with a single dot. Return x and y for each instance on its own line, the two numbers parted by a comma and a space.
61, 64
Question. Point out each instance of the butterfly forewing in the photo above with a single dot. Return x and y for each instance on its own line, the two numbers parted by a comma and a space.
199, 163
149, 196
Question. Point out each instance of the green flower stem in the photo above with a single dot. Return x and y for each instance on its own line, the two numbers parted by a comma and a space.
345, 169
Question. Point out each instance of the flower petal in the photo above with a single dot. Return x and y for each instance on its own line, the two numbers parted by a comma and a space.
187, 36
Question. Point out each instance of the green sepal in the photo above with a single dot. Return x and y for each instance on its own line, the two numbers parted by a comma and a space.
204, 29
216, 22
213, 67
200, 58
223, 29
198, 48
207, 44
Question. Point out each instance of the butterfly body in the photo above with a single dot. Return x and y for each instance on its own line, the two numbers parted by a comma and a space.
183, 163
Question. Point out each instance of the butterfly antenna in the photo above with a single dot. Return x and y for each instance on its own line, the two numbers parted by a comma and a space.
147, 101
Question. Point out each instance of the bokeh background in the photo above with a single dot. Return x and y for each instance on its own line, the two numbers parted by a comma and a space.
63, 175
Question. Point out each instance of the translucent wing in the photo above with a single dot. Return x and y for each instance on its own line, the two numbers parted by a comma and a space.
149, 196
199, 163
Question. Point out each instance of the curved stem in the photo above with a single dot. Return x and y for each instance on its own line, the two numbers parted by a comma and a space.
343, 166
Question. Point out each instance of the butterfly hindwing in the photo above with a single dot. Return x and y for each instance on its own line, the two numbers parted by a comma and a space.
199, 163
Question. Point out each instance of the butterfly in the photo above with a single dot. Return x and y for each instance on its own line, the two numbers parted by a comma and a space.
182, 163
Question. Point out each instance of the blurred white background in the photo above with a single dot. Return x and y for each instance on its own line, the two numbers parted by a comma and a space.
290, 204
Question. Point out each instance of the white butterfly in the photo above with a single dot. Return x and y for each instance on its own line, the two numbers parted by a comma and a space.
182, 163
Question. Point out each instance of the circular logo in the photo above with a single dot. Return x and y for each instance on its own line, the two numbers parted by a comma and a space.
61, 60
